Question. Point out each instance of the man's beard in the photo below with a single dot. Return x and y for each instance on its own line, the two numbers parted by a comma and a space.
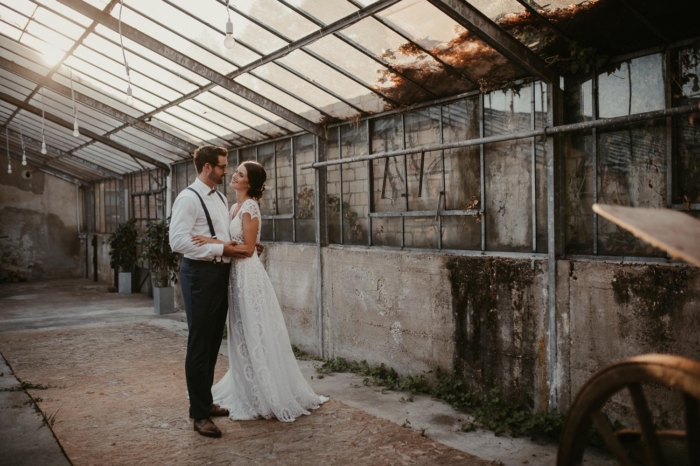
214, 179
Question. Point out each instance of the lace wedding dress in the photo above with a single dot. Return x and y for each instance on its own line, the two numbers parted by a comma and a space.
263, 379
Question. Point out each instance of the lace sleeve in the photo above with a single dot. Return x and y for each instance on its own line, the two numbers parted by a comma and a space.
250, 207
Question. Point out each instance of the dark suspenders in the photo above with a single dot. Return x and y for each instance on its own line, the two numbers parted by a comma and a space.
206, 212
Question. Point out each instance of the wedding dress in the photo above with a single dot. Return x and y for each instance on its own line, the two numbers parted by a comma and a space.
263, 379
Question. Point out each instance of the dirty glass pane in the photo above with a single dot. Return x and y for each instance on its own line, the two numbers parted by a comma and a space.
355, 185
686, 189
389, 180
631, 87
461, 232
266, 230
423, 127
421, 232
266, 157
386, 232
283, 99
180, 179
273, 129
632, 172
17, 20
249, 153
304, 152
508, 172
333, 188
284, 229
460, 122
424, 176
283, 180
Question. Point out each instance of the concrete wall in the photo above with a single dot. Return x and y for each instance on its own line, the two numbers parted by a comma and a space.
486, 317
39, 219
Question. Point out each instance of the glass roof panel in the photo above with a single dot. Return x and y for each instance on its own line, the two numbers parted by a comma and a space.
15, 19
183, 24
99, 92
13, 89
408, 59
176, 131
169, 149
327, 11
279, 17
227, 108
9, 31
55, 39
177, 123
57, 23
137, 78
198, 121
443, 37
67, 11
297, 86
226, 94
17, 82
50, 55
31, 126
138, 64
300, 108
109, 158
22, 7
214, 13
137, 146
351, 60
100, 79
22, 55
148, 54
54, 100
215, 116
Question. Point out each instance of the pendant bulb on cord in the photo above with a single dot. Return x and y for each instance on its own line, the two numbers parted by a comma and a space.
229, 41
21, 140
9, 160
129, 93
76, 133
43, 124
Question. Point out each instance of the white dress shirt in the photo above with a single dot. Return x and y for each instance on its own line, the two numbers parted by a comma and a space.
188, 219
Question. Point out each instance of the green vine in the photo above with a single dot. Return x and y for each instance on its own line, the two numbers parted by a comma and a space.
305, 203
580, 62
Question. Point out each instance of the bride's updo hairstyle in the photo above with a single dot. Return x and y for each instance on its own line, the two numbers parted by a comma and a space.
256, 179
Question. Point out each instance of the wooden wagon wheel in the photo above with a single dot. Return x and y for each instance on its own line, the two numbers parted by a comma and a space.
670, 371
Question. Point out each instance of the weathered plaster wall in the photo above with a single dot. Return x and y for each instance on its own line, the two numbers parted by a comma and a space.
388, 307
616, 311
39, 219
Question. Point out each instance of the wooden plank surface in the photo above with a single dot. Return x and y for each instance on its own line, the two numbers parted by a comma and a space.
675, 232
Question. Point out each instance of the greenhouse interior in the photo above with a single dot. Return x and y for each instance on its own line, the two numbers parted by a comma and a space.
480, 219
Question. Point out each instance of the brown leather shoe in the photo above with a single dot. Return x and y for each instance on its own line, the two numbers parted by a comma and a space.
217, 411
207, 428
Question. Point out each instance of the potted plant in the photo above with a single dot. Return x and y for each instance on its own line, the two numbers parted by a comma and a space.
122, 252
164, 264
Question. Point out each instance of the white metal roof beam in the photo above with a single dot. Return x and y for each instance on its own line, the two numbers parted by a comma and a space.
216, 78
492, 34
85, 132
68, 53
99, 106
58, 153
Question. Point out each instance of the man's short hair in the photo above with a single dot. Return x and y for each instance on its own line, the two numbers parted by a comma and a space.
208, 154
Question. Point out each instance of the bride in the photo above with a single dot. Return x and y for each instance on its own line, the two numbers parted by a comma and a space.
263, 379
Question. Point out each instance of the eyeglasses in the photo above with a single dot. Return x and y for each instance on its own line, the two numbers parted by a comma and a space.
223, 167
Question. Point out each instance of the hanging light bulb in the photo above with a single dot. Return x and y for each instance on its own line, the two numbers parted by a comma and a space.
21, 140
129, 96
229, 41
9, 160
43, 124
76, 133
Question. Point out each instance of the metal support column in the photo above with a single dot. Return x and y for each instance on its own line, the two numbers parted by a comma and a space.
321, 154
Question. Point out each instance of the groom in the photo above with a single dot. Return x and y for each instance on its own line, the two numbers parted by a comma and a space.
204, 273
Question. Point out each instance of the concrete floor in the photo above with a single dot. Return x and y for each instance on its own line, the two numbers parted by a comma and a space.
27, 307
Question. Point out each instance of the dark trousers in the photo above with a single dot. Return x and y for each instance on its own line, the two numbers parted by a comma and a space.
205, 292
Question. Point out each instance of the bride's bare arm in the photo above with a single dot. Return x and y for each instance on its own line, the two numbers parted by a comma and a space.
250, 234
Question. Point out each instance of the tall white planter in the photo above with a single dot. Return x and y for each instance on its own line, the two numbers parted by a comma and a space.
164, 300
125, 282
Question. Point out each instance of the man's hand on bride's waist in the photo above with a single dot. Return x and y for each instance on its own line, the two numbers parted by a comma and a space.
200, 240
